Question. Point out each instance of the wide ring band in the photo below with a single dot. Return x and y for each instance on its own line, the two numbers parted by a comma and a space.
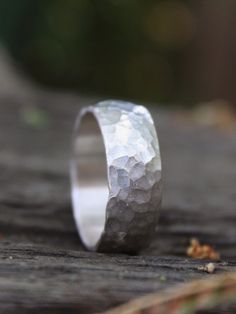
116, 177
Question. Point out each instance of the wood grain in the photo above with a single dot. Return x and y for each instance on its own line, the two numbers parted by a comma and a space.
43, 267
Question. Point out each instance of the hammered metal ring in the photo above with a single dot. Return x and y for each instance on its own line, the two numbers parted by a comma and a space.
116, 177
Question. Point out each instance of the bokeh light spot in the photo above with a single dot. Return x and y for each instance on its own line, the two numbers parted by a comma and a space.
170, 23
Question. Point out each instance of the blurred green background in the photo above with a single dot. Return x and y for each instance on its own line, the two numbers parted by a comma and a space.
153, 50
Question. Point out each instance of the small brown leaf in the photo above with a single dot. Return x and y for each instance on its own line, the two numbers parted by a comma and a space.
196, 250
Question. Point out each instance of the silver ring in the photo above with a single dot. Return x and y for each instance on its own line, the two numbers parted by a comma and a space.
116, 177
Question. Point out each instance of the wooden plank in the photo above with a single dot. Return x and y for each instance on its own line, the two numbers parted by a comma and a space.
43, 266
34, 276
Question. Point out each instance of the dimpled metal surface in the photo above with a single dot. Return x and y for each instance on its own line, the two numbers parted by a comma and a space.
134, 175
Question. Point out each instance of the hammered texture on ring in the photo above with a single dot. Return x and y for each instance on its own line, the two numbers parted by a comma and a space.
133, 175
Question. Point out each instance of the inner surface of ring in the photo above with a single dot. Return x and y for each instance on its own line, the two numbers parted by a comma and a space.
90, 187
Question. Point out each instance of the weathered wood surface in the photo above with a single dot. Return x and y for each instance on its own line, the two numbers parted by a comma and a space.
43, 267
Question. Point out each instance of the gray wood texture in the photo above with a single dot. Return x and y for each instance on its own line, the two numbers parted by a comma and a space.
43, 266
